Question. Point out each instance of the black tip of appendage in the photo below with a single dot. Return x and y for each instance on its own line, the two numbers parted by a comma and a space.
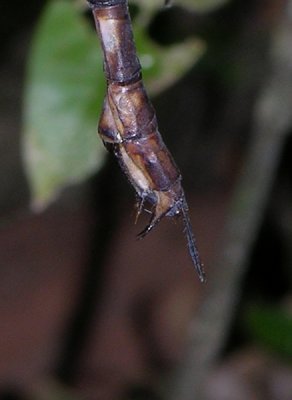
143, 233
105, 3
146, 230
194, 253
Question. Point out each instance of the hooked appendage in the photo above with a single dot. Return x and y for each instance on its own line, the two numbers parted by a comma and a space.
128, 125
180, 207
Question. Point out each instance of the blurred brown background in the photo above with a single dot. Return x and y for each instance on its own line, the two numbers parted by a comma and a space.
88, 311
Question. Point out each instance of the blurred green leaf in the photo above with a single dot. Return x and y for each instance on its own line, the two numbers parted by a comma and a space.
64, 94
271, 327
163, 66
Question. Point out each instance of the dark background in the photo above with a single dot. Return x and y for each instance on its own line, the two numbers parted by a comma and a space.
84, 306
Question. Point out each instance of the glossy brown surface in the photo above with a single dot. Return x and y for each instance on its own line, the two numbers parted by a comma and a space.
114, 26
128, 124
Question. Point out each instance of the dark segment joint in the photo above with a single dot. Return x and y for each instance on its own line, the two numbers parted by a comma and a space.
121, 64
128, 124
105, 3
124, 80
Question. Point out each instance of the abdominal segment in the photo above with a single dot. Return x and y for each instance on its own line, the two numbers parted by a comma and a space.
143, 157
128, 123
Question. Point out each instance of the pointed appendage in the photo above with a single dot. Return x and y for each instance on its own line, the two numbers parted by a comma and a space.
179, 206
154, 221
128, 124
193, 250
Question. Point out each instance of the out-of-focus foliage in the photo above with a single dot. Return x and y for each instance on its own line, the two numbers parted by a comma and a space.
163, 66
271, 327
64, 93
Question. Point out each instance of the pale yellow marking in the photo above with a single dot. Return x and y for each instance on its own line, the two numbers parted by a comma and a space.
135, 173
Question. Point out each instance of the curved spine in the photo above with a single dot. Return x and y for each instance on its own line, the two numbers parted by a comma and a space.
128, 124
